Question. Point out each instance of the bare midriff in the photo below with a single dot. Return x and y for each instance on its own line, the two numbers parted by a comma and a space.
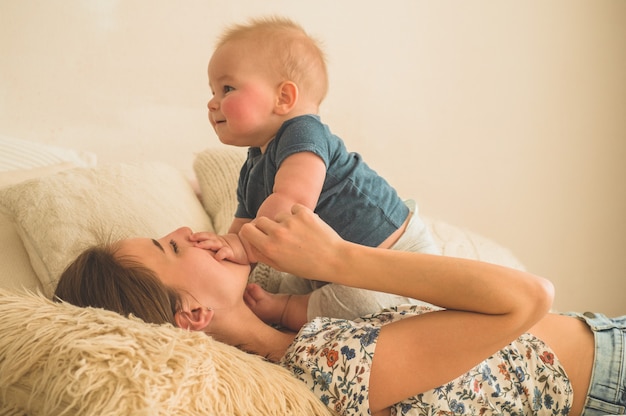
395, 236
572, 341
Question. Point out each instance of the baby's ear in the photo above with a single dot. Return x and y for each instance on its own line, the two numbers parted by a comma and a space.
194, 319
287, 97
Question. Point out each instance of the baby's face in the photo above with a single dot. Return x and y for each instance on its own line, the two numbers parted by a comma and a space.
244, 95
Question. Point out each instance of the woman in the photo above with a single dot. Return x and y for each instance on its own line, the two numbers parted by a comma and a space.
494, 349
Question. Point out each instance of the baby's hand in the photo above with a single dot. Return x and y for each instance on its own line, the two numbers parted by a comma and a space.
226, 247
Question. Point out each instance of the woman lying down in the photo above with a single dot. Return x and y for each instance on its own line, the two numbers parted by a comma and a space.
492, 347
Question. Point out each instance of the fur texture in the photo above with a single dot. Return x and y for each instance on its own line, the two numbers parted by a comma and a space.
66, 360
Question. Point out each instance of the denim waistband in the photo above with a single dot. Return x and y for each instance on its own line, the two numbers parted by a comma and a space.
607, 392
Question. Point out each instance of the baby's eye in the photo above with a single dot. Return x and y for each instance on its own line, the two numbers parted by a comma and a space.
174, 246
227, 89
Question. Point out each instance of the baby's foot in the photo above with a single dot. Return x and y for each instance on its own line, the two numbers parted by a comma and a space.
267, 306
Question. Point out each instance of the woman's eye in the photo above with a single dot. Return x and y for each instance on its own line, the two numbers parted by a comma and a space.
174, 246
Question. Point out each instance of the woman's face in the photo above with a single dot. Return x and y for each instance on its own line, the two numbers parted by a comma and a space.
191, 270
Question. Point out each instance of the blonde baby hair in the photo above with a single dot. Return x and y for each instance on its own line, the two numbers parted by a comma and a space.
294, 54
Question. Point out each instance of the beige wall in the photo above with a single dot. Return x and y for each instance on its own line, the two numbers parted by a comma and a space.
508, 118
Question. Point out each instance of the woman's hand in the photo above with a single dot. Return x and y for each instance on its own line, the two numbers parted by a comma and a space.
298, 242
226, 247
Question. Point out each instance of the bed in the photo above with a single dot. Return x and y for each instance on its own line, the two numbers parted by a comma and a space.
59, 359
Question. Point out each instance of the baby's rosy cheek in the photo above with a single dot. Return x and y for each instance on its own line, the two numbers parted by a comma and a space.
234, 109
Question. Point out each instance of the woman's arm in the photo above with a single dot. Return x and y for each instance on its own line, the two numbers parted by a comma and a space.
488, 306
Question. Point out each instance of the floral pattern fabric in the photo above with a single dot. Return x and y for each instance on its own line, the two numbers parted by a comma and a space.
333, 357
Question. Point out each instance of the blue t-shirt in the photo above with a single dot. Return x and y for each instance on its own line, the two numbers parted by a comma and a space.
355, 201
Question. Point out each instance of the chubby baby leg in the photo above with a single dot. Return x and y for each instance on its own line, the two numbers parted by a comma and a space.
288, 311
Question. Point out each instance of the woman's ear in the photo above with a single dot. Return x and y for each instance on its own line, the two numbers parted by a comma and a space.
195, 319
287, 97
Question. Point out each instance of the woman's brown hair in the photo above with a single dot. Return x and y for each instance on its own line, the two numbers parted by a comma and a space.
101, 279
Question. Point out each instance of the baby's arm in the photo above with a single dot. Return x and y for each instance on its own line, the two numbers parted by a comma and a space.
299, 179
237, 223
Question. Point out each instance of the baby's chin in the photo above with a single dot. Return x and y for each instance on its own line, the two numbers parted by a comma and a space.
230, 142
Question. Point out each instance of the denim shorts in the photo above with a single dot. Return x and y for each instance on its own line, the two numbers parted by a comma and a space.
607, 390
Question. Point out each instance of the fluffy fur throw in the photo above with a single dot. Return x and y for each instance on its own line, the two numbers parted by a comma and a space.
66, 360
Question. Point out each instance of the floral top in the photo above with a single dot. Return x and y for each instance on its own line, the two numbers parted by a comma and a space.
333, 357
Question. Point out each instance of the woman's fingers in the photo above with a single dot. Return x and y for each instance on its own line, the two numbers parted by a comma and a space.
293, 242
258, 241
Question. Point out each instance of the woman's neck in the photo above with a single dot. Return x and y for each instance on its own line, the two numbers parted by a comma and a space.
244, 330
269, 343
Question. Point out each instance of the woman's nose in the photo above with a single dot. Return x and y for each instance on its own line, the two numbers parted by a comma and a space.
182, 233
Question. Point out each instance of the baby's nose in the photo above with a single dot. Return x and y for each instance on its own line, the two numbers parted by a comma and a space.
212, 104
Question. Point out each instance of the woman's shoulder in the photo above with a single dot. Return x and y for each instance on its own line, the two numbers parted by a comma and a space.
333, 357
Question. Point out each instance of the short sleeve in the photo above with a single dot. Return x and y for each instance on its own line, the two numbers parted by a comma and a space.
333, 357
303, 134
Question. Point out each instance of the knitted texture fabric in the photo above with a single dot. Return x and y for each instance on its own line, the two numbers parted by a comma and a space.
217, 172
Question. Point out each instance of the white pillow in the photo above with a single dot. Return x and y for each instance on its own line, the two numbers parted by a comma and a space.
456, 241
61, 359
21, 160
24, 154
15, 269
60, 215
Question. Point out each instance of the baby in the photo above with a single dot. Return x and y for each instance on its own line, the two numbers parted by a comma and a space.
268, 79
